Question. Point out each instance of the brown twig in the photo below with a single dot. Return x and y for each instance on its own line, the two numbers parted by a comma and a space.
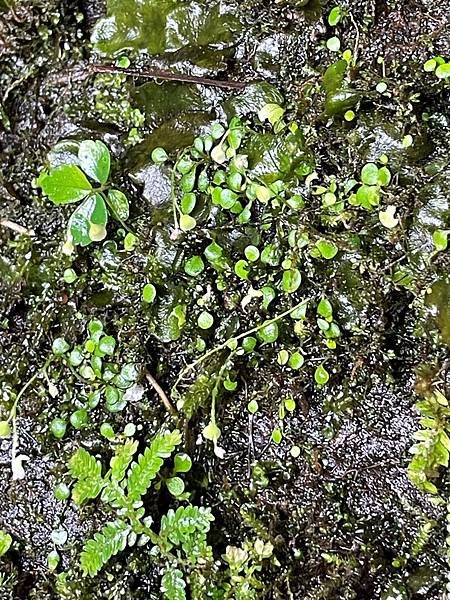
15, 227
161, 393
168, 76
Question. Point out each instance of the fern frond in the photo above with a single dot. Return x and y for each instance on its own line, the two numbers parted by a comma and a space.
105, 544
83, 465
122, 458
114, 495
173, 585
187, 528
148, 465
86, 489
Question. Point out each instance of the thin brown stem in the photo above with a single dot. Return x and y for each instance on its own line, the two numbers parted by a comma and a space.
161, 393
15, 227
168, 76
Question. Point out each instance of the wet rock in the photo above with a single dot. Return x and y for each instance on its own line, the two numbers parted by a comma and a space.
252, 99
163, 101
439, 301
272, 157
166, 26
376, 135
156, 184
433, 213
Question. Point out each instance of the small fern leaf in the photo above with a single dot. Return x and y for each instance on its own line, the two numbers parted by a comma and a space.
86, 489
114, 495
105, 544
83, 465
173, 585
122, 459
148, 465
185, 523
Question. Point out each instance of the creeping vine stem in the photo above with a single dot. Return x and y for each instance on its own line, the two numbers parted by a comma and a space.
230, 343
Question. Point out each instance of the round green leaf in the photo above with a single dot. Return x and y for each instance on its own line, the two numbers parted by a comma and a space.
368, 196
325, 309
107, 431
334, 44
224, 197
53, 559
159, 156
291, 280
335, 16
5, 429
69, 276
58, 428
118, 203
182, 463
327, 249
217, 131
59, 536
443, 71
430, 65
205, 320
252, 407
241, 269
384, 176
187, 222
440, 239
251, 253
88, 221
61, 491
95, 160
107, 345
60, 346
79, 418
321, 375
296, 361
5, 542
268, 333
187, 182
194, 266
249, 343
283, 357
369, 174
175, 485
213, 252
277, 436
187, 203
289, 404
149, 293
